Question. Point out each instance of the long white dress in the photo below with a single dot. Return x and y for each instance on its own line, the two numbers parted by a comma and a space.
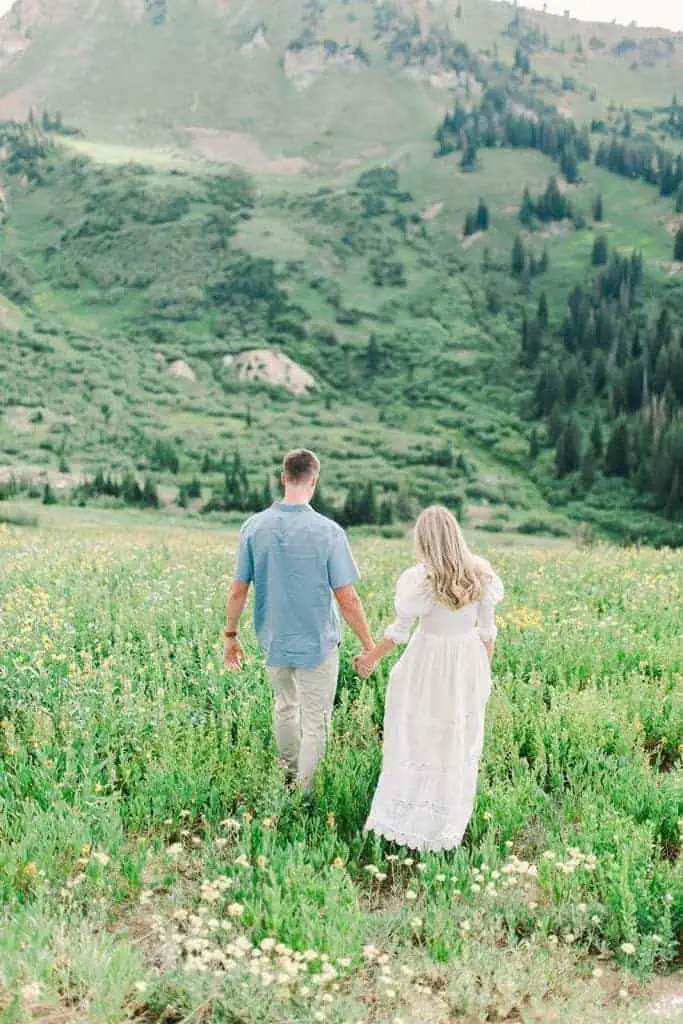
434, 718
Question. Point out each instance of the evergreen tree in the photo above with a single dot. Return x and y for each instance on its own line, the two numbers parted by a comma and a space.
569, 165
527, 210
351, 511
373, 356
589, 468
49, 496
367, 505
534, 444
519, 260
678, 245
617, 452
470, 225
482, 216
267, 494
598, 208
549, 389
556, 424
150, 495
568, 450
386, 513
679, 199
600, 251
468, 161
543, 316
597, 444
599, 373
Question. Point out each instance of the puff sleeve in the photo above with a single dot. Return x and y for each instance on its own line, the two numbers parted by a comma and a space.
413, 599
486, 618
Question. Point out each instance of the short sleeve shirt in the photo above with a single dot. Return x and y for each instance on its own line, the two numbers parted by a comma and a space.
295, 558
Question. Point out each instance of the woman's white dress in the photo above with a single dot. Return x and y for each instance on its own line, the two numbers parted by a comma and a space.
434, 719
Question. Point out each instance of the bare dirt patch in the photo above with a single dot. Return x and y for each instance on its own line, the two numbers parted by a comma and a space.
432, 211
674, 223
238, 148
471, 240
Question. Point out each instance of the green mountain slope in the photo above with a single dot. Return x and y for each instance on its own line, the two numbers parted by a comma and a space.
340, 242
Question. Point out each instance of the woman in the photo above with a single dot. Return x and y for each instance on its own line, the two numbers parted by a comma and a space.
434, 721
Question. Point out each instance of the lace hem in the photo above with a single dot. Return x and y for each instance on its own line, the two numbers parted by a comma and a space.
413, 841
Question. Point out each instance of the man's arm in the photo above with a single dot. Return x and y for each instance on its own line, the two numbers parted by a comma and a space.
354, 615
233, 654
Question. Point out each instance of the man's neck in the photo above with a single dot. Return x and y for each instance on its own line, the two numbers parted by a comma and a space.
295, 497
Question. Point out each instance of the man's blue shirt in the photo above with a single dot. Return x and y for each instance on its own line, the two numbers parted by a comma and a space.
295, 558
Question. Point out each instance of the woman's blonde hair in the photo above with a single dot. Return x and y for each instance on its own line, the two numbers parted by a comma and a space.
456, 575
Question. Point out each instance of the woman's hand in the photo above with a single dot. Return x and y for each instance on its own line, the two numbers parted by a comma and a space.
365, 664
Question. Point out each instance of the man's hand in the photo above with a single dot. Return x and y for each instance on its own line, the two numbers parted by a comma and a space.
233, 655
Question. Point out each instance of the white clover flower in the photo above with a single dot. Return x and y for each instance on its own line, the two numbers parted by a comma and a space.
582, 908
421, 867
371, 869
548, 855
628, 948
411, 896
235, 910
267, 945
476, 888
381, 876
220, 843
569, 938
416, 922
597, 972
439, 878
101, 857
408, 862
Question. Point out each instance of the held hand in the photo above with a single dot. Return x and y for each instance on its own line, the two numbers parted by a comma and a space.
233, 655
365, 664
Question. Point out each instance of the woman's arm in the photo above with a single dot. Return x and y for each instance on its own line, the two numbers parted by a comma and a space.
366, 664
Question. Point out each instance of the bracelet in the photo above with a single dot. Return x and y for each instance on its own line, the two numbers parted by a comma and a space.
229, 635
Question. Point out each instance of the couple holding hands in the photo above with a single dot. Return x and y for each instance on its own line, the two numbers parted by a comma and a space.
302, 570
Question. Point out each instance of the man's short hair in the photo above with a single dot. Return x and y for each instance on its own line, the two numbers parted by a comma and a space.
300, 466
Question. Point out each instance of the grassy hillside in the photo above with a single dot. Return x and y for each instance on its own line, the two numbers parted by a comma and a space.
340, 242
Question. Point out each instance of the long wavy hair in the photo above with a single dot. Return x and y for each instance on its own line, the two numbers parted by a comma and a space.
456, 576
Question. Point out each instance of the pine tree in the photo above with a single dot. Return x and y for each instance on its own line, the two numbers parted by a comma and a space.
555, 424
482, 216
519, 260
678, 245
534, 444
367, 505
568, 451
373, 356
267, 494
597, 444
543, 316
569, 165
527, 210
386, 513
468, 161
598, 208
470, 225
679, 199
617, 452
600, 251
589, 468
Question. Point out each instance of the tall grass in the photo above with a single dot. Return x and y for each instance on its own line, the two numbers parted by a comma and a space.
140, 790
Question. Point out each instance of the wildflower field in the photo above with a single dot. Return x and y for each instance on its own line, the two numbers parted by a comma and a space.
154, 868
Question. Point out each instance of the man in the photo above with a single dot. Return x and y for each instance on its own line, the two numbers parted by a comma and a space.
297, 560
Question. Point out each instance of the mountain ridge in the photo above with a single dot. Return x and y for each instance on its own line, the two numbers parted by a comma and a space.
445, 220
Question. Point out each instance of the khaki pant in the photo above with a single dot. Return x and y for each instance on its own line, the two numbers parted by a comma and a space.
304, 698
